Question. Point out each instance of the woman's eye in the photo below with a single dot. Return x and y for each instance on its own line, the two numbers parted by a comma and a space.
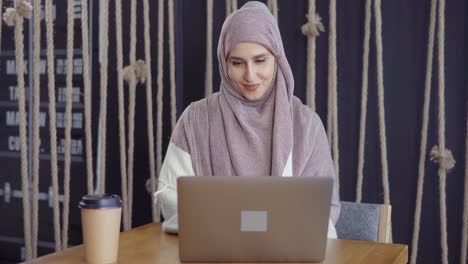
260, 61
236, 63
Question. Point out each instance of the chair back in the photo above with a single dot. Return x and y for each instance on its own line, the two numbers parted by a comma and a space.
363, 221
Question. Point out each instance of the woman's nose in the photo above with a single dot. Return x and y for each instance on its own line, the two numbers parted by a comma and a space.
249, 74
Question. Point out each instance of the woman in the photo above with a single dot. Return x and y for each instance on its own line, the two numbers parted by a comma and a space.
254, 125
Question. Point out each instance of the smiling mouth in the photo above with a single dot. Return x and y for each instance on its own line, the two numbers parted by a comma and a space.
251, 87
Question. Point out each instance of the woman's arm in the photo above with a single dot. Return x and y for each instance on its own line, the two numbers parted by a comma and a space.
321, 164
177, 162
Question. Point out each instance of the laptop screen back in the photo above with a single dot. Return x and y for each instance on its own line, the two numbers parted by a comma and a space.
253, 218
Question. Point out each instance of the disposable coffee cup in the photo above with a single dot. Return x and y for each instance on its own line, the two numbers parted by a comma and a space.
100, 218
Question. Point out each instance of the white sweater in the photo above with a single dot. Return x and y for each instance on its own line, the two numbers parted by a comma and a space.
179, 163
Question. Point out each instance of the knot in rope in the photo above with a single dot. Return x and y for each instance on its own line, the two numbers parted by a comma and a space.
313, 27
443, 157
148, 185
22, 9
136, 70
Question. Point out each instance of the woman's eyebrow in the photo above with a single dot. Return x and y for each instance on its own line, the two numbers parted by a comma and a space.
235, 58
261, 56
255, 57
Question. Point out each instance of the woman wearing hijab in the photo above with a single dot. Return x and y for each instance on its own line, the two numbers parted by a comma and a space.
254, 125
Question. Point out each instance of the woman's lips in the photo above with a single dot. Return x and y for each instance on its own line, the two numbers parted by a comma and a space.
251, 87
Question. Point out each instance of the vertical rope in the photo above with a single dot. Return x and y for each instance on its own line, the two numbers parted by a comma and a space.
87, 94
103, 106
441, 124
423, 144
380, 90
275, 9
365, 86
170, 11
336, 153
311, 46
19, 44
464, 244
159, 95
234, 5
331, 40
273, 6
131, 110
68, 125
332, 116
52, 120
149, 99
15, 17
36, 105
120, 92
209, 49
228, 7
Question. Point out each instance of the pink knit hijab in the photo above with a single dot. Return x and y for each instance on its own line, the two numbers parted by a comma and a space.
228, 135
258, 134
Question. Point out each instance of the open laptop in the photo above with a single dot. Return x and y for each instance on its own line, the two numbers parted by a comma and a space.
253, 219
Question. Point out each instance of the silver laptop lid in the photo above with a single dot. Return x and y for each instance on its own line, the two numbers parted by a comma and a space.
253, 218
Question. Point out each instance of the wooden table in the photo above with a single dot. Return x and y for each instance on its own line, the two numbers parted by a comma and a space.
148, 244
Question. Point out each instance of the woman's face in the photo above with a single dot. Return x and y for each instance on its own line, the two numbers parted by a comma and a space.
251, 68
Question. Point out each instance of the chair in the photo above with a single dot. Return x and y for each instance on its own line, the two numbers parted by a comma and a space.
363, 221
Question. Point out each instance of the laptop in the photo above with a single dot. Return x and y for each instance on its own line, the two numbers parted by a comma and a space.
253, 219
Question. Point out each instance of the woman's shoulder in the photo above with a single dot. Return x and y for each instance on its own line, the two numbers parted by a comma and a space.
197, 111
304, 115
198, 108
202, 105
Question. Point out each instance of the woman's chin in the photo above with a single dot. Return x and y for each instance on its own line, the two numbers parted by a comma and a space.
252, 96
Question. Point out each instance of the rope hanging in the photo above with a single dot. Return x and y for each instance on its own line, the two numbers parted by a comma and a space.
68, 125
231, 6
228, 7
129, 75
170, 11
464, 244
36, 125
312, 30
52, 121
423, 144
14, 17
332, 117
273, 6
87, 95
209, 49
365, 77
381, 106
234, 5
120, 94
159, 95
440, 154
103, 105
149, 102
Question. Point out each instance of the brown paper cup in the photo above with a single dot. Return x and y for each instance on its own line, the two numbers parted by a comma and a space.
100, 216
